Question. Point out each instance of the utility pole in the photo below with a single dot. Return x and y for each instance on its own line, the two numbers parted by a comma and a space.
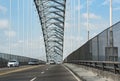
110, 12
88, 18
111, 30
111, 51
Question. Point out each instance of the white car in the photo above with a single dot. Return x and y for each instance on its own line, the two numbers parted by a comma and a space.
33, 62
13, 63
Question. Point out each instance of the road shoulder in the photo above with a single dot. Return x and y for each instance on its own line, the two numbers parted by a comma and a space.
84, 74
17, 69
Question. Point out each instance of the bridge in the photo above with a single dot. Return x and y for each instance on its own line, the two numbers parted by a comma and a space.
63, 40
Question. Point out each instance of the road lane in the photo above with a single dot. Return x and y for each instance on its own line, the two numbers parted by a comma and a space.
25, 75
42, 73
15, 69
56, 73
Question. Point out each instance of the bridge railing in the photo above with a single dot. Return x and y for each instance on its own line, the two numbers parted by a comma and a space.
102, 65
98, 48
4, 58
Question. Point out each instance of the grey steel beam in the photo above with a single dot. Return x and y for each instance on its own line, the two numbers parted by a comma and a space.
52, 17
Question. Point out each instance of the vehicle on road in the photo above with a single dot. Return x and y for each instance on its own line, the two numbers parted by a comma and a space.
13, 63
59, 62
52, 62
33, 62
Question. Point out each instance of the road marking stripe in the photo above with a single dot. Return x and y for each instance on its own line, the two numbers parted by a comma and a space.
73, 74
18, 70
42, 72
33, 79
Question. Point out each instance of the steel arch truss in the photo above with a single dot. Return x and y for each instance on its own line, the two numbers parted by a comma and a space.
52, 17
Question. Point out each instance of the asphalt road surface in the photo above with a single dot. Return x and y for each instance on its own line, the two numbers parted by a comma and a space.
41, 73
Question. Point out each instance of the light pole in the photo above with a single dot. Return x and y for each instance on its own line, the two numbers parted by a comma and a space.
111, 30
110, 13
88, 18
111, 51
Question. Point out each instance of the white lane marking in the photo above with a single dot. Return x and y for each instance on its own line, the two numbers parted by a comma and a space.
33, 79
42, 72
73, 74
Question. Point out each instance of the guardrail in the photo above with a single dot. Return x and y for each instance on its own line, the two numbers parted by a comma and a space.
102, 65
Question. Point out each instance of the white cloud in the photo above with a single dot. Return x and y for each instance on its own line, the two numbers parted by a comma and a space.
115, 4
3, 9
20, 41
29, 48
4, 23
117, 8
79, 7
10, 34
91, 26
100, 25
106, 2
83, 5
91, 16
29, 44
91, 2
71, 43
68, 25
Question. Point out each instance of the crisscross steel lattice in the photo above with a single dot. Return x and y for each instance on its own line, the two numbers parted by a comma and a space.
52, 17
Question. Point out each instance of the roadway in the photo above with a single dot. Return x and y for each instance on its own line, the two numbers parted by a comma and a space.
41, 73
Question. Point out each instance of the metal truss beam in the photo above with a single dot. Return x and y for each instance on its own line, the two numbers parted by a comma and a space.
52, 18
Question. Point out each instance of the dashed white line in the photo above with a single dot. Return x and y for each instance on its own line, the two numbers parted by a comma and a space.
42, 72
33, 79
73, 74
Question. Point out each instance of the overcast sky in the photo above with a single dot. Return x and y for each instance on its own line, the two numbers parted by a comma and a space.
20, 29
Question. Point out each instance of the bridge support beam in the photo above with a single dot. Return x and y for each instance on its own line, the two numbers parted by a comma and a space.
52, 17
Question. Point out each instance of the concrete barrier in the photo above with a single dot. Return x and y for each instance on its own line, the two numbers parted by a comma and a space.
105, 74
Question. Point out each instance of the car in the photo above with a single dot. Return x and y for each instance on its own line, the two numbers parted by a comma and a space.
52, 63
33, 62
13, 63
59, 62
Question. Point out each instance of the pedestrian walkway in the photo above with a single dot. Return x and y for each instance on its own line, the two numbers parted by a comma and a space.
85, 75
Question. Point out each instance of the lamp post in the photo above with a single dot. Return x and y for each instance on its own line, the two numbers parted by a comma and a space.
111, 51
88, 18
111, 30
110, 13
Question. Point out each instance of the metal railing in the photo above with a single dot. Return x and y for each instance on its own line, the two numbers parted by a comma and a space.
4, 58
102, 65
98, 48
